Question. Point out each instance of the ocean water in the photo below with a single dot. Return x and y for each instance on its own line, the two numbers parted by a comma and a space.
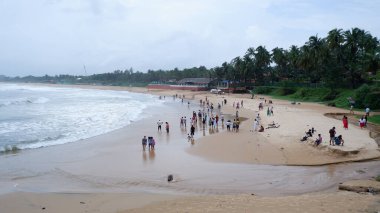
38, 116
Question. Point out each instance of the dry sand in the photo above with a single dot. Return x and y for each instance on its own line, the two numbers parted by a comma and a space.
328, 202
280, 146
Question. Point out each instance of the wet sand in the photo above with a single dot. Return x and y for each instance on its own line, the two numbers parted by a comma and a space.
111, 166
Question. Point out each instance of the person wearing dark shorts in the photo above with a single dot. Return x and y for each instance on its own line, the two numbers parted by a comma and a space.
144, 142
332, 136
192, 130
159, 124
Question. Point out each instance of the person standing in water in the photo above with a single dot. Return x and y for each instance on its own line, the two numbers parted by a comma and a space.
159, 124
144, 142
192, 130
167, 127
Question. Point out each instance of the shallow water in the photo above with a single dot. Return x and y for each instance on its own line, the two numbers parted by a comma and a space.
37, 116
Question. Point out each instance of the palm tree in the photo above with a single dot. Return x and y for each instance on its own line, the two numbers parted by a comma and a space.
293, 56
262, 62
354, 44
279, 57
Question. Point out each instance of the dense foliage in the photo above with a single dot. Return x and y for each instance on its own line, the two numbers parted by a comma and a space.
343, 59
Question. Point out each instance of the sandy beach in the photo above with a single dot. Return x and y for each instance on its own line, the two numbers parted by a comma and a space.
111, 173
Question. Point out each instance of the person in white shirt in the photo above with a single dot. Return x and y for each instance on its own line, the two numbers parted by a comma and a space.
255, 125
367, 110
159, 124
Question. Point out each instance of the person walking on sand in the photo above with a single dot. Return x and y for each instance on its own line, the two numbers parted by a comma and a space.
150, 142
144, 142
159, 124
167, 127
367, 110
192, 130
255, 125
153, 143
332, 135
362, 122
345, 122
228, 125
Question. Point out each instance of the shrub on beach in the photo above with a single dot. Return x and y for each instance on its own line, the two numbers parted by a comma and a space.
367, 96
360, 94
330, 95
372, 100
263, 90
377, 178
285, 91
311, 94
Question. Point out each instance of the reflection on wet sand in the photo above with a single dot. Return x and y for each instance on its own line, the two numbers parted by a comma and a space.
145, 158
152, 154
192, 141
167, 138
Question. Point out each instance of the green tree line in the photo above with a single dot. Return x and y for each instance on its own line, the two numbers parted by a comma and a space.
342, 59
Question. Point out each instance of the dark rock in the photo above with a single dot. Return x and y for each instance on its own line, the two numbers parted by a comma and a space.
170, 178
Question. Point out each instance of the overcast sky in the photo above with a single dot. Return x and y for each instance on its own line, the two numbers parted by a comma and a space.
39, 37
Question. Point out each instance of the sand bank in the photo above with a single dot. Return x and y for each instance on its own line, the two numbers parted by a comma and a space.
282, 146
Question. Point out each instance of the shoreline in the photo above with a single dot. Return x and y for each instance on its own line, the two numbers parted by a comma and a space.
365, 152
110, 173
198, 95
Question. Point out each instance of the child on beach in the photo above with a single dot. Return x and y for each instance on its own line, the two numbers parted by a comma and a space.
318, 140
362, 122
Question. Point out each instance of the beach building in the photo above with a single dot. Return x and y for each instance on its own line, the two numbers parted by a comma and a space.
192, 84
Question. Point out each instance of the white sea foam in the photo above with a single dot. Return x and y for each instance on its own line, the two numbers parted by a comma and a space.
39, 117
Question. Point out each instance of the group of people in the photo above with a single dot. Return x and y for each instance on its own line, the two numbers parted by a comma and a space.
318, 140
235, 125
335, 140
237, 104
257, 126
159, 125
148, 141
309, 134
